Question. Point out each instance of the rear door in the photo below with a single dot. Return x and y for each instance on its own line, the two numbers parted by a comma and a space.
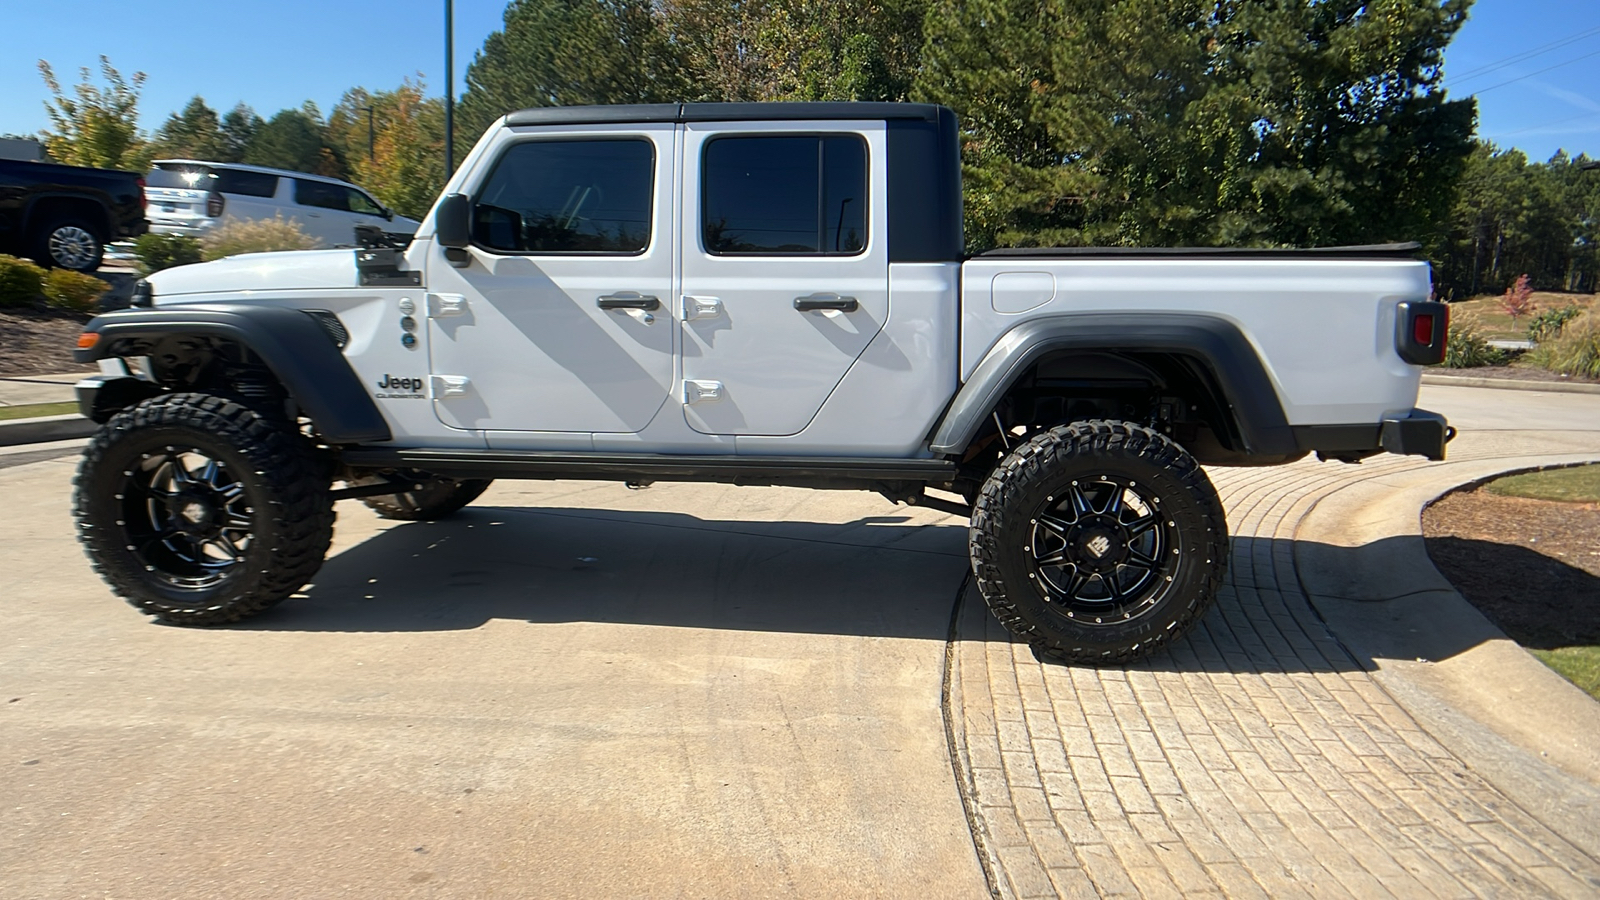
785, 270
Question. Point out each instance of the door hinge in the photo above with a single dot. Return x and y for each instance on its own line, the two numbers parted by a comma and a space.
449, 385
701, 307
442, 305
701, 391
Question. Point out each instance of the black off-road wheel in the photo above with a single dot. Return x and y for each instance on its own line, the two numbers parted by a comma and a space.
200, 511
1099, 542
437, 498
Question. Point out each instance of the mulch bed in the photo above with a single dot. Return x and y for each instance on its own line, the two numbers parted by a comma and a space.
1531, 566
39, 341
1509, 373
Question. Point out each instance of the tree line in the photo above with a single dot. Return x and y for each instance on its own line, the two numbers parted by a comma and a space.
1109, 122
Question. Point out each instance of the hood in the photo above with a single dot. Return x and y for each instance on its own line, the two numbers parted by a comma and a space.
286, 271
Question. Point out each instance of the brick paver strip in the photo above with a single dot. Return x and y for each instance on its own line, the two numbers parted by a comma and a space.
1256, 759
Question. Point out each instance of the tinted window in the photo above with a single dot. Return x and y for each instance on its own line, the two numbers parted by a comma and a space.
250, 184
361, 203
568, 196
321, 195
180, 176
785, 195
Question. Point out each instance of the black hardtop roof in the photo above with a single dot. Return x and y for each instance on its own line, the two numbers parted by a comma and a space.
721, 112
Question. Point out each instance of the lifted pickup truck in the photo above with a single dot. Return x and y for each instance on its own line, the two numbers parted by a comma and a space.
64, 216
749, 294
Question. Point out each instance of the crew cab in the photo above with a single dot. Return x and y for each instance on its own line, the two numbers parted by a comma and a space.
749, 294
64, 216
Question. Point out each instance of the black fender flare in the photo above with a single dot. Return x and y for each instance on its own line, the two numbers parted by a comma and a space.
291, 343
1215, 342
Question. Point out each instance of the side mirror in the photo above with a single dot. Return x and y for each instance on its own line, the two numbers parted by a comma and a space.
388, 213
452, 221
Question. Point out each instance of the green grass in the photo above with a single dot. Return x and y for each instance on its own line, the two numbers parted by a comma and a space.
30, 410
1575, 484
1579, 665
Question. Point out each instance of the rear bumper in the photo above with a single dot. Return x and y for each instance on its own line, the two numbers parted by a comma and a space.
1420, 433
1416, 432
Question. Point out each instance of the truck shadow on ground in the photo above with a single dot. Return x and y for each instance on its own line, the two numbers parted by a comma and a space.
882, 576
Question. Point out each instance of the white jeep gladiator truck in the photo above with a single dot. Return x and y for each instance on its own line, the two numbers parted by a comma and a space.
765, 294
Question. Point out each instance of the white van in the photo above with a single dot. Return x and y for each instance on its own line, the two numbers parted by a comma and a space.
192, 197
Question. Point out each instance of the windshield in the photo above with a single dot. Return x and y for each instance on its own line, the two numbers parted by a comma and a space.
183, 176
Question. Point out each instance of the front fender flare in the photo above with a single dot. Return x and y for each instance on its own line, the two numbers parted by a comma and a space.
297, 350
1215, 342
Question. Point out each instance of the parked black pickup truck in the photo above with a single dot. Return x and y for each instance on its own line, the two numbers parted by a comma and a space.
64, 216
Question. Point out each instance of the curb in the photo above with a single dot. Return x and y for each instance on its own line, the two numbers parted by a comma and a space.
45, 428
1509, 384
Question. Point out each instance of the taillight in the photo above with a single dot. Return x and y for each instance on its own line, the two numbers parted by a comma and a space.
1421, 329
140, 182
214, 204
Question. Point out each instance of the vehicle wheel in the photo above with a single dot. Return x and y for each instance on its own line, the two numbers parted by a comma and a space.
1099, 542
200, 511
70, 244
439, 497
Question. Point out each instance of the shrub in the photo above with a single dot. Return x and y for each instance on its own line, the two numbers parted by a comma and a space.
1518, 299
163, 251
20, 281
74, 291
1465, 349
256, 236
1548, 324
1575, 351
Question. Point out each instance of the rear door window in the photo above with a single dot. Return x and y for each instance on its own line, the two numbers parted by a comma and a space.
249, 184
568, 196
785, 195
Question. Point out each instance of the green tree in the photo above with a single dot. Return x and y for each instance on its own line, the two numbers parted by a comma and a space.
1181, 122
798, 49
95, 126
405, 169
238, 129
194, 133
293, 139
570, 52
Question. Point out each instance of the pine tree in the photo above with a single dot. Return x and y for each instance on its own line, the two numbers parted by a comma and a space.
570, 52
194, 133
1177, 122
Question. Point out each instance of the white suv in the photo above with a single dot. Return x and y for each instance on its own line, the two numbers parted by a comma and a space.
186, 196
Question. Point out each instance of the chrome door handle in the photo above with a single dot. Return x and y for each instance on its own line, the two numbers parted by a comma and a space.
816, 302
629, 300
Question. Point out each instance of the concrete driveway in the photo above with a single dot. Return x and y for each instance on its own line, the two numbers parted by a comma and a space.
573, 689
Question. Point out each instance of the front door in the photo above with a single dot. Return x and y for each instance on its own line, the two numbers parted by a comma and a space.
561, 321
785, 269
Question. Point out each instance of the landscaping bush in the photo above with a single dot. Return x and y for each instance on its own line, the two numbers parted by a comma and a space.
73, 291
256, 236
20, 281
163, 251
1548, 324
1575, 351
1467, 350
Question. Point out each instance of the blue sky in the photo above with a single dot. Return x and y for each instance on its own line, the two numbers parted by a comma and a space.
281, 54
